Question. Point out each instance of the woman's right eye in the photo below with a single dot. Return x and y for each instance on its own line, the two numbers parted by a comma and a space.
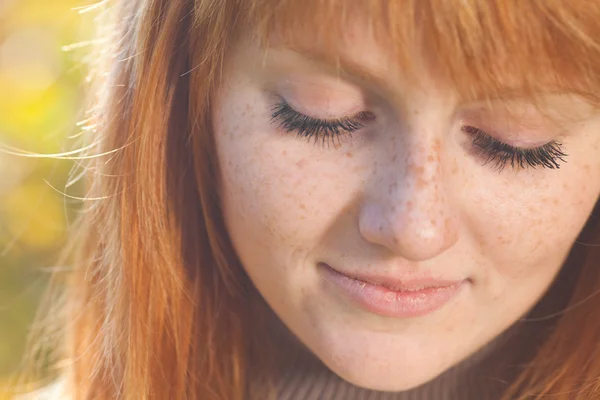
309, 128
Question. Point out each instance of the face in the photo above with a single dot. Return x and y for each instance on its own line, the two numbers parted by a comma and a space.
395, 229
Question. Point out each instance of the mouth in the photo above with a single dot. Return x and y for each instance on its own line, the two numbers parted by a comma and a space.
391, 296
395, 283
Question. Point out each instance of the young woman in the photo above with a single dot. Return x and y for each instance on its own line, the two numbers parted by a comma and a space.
340, 199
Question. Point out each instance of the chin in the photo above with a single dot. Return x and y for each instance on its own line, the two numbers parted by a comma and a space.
394, 380
381, 366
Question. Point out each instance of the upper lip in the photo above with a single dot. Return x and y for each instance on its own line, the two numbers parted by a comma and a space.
394, 282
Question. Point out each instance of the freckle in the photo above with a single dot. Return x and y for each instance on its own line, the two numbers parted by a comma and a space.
349, 154
395, 157
430, 158
284, 152
300, 164
302, 206
380, 228
409, 205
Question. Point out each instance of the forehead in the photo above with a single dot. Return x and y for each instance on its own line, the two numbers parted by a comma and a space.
483, 49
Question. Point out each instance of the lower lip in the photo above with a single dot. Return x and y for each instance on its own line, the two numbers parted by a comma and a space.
390, 303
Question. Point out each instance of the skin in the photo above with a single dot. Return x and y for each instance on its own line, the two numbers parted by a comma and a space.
406, 195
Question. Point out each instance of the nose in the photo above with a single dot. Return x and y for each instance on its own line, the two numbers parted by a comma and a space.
407, 210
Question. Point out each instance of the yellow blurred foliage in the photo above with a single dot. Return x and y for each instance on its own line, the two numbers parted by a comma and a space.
34, 214
41, 95
38, 122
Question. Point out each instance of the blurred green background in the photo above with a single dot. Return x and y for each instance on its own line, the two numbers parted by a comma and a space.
41, 95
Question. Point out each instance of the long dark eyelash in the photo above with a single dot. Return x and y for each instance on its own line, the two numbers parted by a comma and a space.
500, 154
308, 127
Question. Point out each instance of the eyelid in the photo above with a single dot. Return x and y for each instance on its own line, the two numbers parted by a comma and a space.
515, 135
319, 99
360, 114
549, 155
312, 128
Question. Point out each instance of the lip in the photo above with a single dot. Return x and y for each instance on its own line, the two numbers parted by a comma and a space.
390, 296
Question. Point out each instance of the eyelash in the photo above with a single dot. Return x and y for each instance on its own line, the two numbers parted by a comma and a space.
494, 152
500, 154
312, 128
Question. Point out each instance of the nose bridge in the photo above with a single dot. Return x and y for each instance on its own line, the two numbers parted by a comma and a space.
421, 168
413, 217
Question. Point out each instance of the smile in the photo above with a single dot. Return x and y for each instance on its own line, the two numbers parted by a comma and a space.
389, 297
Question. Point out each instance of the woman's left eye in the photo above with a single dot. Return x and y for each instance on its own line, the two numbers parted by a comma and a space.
499, 154
325, 130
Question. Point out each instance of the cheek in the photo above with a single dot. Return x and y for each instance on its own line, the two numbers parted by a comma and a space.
526, 230
278, 199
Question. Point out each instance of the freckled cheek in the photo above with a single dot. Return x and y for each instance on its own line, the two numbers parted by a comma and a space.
531, 234
271, 194
264, 188
278, 189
